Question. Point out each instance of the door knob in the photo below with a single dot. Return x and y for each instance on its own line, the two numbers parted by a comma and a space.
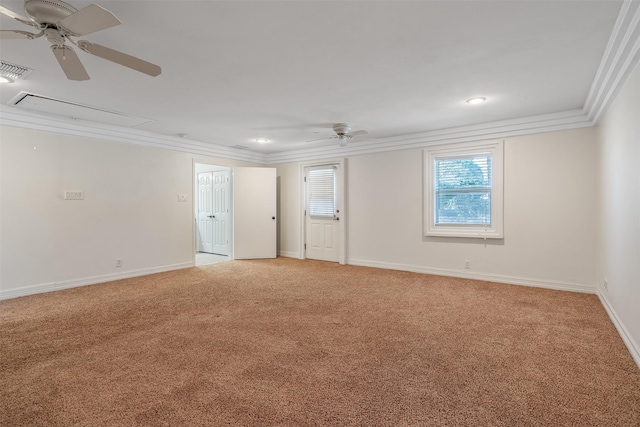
212, 216
273, 217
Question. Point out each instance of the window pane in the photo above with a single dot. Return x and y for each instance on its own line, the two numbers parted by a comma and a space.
463, 208
462, 190
322, 194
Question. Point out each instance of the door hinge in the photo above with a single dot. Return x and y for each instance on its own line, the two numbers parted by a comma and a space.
305, 246
305, 179
305, 212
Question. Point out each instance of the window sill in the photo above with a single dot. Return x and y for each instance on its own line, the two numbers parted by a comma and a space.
467, 233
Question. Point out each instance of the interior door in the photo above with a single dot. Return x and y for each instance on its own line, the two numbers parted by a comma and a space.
220, 212
322, 213
254, 213
205, 212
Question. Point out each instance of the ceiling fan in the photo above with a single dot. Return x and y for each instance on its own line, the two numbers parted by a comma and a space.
58, 22
343, 134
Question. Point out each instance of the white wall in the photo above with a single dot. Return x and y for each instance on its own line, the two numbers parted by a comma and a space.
550, 215
619, 238
130, 211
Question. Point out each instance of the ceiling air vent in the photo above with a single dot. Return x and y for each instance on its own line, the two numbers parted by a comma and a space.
43, 104
13, 71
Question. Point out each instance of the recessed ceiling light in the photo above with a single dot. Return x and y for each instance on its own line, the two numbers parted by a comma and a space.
477, 100
261, 140
4, 79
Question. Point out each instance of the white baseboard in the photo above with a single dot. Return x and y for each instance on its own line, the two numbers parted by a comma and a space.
74, 283
633, 347
288, 254
466, 274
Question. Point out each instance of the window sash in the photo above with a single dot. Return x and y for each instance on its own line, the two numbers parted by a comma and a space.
446, 214
462, 190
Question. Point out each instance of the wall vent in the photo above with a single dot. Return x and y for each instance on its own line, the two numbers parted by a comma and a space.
13, 71
43, 104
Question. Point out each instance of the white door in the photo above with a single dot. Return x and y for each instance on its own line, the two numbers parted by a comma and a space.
220, 212
254, 213
205, 212
322, 213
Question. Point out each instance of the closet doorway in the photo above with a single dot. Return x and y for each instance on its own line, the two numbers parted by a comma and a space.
213, 213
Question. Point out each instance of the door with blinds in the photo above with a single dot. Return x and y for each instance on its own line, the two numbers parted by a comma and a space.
322, 213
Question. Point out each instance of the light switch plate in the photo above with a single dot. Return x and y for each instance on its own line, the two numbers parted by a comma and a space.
182, 197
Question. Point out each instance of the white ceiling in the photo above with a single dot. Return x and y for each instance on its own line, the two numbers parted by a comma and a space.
286, 70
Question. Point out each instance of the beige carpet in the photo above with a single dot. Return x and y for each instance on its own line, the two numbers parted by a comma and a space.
301, 343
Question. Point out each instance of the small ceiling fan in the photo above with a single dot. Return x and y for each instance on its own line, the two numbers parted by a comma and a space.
343, 134
58, 22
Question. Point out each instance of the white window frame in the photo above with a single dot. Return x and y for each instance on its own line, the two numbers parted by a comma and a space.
495, 230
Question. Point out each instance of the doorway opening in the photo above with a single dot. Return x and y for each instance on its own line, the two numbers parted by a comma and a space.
234, 213
323, 234
213, 214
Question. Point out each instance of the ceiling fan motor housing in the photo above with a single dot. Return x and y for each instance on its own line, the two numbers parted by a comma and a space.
48, 11
341, 128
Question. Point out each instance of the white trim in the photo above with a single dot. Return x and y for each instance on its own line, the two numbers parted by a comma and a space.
289, 254
620, 57
572, 119
16, 117
565, 120
74, 283
488, 277
628, 340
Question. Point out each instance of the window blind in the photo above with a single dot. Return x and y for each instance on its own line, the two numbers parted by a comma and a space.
321, 187
462, 190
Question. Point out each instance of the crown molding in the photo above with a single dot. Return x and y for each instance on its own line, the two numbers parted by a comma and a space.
17, 117
620, 57
572, 119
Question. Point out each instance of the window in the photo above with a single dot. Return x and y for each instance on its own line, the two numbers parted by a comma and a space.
321, 184
463, 190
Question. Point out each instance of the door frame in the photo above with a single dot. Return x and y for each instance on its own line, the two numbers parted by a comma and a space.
342, 203
194, 223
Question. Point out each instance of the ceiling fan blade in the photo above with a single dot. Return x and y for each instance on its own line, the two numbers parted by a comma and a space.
358, 132
16, 34
17, 17
89, 20
120, 58
321, 139
70, 63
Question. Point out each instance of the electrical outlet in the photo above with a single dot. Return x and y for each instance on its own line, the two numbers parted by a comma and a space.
118, 262
605, 283
467, 264
73, 195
